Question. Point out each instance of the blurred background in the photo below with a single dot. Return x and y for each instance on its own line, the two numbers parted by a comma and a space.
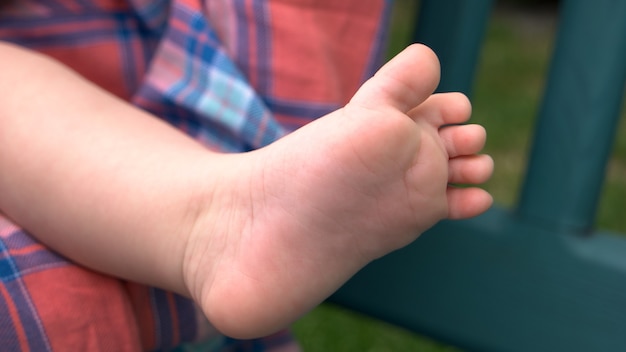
506, 96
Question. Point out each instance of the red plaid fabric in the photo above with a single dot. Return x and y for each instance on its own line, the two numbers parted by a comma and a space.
236, 75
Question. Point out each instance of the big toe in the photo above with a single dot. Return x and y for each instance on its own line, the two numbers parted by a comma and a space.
403, 83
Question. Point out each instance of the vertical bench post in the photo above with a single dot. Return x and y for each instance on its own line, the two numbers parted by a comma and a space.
576, 125
455, 30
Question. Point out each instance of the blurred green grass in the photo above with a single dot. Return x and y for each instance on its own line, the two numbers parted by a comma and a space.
506, 98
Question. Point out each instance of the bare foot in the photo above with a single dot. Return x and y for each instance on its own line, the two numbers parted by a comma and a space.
301, 216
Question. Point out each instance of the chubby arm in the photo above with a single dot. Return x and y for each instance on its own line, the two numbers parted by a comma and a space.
94, 178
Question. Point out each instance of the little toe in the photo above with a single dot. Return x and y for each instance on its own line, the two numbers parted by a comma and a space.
465, 203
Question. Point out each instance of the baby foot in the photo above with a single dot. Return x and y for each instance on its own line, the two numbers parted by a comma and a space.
293, 221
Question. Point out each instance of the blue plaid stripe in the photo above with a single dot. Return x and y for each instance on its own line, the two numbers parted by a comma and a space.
16, 261
28, 319
13, 267
162, 318
222, 109
378, 44
120, 27
153, 13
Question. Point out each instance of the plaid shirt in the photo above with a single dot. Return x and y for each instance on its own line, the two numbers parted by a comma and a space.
236, 75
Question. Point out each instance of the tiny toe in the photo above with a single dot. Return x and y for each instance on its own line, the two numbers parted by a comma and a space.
465, 203
463, 139
443, 109
473, 169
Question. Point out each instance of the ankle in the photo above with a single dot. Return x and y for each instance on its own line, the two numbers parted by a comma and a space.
215, 218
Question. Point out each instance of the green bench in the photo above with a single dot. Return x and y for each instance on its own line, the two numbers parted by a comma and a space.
537, 277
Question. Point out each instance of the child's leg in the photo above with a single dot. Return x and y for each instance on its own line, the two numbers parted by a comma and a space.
310, 210
256, 239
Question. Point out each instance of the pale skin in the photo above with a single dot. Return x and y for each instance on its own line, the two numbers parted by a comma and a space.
255, 239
